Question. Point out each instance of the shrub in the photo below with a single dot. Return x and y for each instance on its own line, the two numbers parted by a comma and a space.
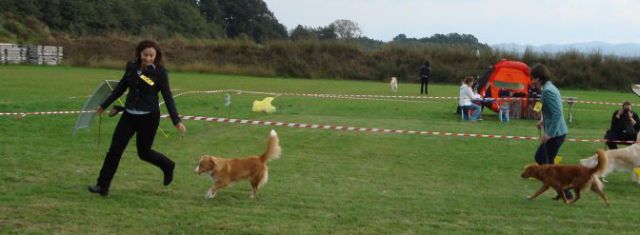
342, 59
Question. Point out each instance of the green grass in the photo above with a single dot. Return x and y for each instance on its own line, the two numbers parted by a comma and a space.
325, 182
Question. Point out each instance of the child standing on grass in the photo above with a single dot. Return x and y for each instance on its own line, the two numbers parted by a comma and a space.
144, 78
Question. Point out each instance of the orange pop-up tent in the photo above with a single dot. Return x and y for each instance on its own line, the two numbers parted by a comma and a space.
505, 79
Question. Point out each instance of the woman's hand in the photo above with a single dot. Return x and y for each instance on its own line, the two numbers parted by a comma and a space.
181, 128
99, 110
544, 138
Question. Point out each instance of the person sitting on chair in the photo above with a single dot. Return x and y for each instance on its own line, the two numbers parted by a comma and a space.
466, 96
625, 125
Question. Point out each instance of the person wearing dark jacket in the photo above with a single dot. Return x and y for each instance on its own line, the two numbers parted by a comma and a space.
625, 125
425, 73
144, 78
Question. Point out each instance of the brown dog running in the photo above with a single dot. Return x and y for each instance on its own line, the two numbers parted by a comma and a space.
560, 177
253, 168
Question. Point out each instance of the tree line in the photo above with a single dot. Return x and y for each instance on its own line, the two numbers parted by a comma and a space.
345, 59
156, 18
34, 20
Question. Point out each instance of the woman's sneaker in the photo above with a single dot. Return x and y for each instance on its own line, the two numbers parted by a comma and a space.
168, 174
99, 190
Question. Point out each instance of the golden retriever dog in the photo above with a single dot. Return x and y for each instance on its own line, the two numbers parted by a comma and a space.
561, 177
623, 159
394, 84
251, 168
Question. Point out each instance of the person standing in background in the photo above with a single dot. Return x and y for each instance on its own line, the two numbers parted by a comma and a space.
425, 73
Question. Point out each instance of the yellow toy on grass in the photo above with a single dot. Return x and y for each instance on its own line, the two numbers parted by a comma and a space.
637, 170
264, 105
558, 160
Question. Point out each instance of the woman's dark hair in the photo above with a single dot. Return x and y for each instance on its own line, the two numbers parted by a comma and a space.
149, 44
541, 72
426, 62
467, 80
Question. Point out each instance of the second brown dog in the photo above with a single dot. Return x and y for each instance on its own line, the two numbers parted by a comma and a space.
560, 177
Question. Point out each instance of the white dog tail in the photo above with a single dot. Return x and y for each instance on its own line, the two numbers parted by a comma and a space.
273, 148
602, 162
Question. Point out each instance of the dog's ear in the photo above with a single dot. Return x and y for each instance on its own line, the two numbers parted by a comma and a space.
216, 164
532, 170
212, 162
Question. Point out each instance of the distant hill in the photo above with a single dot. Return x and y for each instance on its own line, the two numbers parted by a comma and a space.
623, 49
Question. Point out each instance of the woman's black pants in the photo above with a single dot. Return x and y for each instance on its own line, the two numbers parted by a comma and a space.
145, 127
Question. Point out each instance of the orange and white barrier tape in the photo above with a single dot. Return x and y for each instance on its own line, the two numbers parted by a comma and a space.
374, 99
369, 129
387, 97
337, 96
23, 114
380, 97
327, 127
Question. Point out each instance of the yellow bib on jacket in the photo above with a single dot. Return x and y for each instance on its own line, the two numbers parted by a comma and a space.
147, 80
537, 107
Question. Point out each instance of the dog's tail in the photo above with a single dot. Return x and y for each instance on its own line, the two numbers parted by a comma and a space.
273, 148
602, 162
596, 180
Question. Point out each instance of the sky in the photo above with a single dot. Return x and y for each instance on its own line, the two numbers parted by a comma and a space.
530, 22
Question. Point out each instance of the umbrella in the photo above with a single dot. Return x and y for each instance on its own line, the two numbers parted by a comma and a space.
99, 95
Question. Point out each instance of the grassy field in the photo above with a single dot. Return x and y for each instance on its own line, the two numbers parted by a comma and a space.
325, 182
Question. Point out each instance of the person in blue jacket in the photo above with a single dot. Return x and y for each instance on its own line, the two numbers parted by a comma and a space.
552, 123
